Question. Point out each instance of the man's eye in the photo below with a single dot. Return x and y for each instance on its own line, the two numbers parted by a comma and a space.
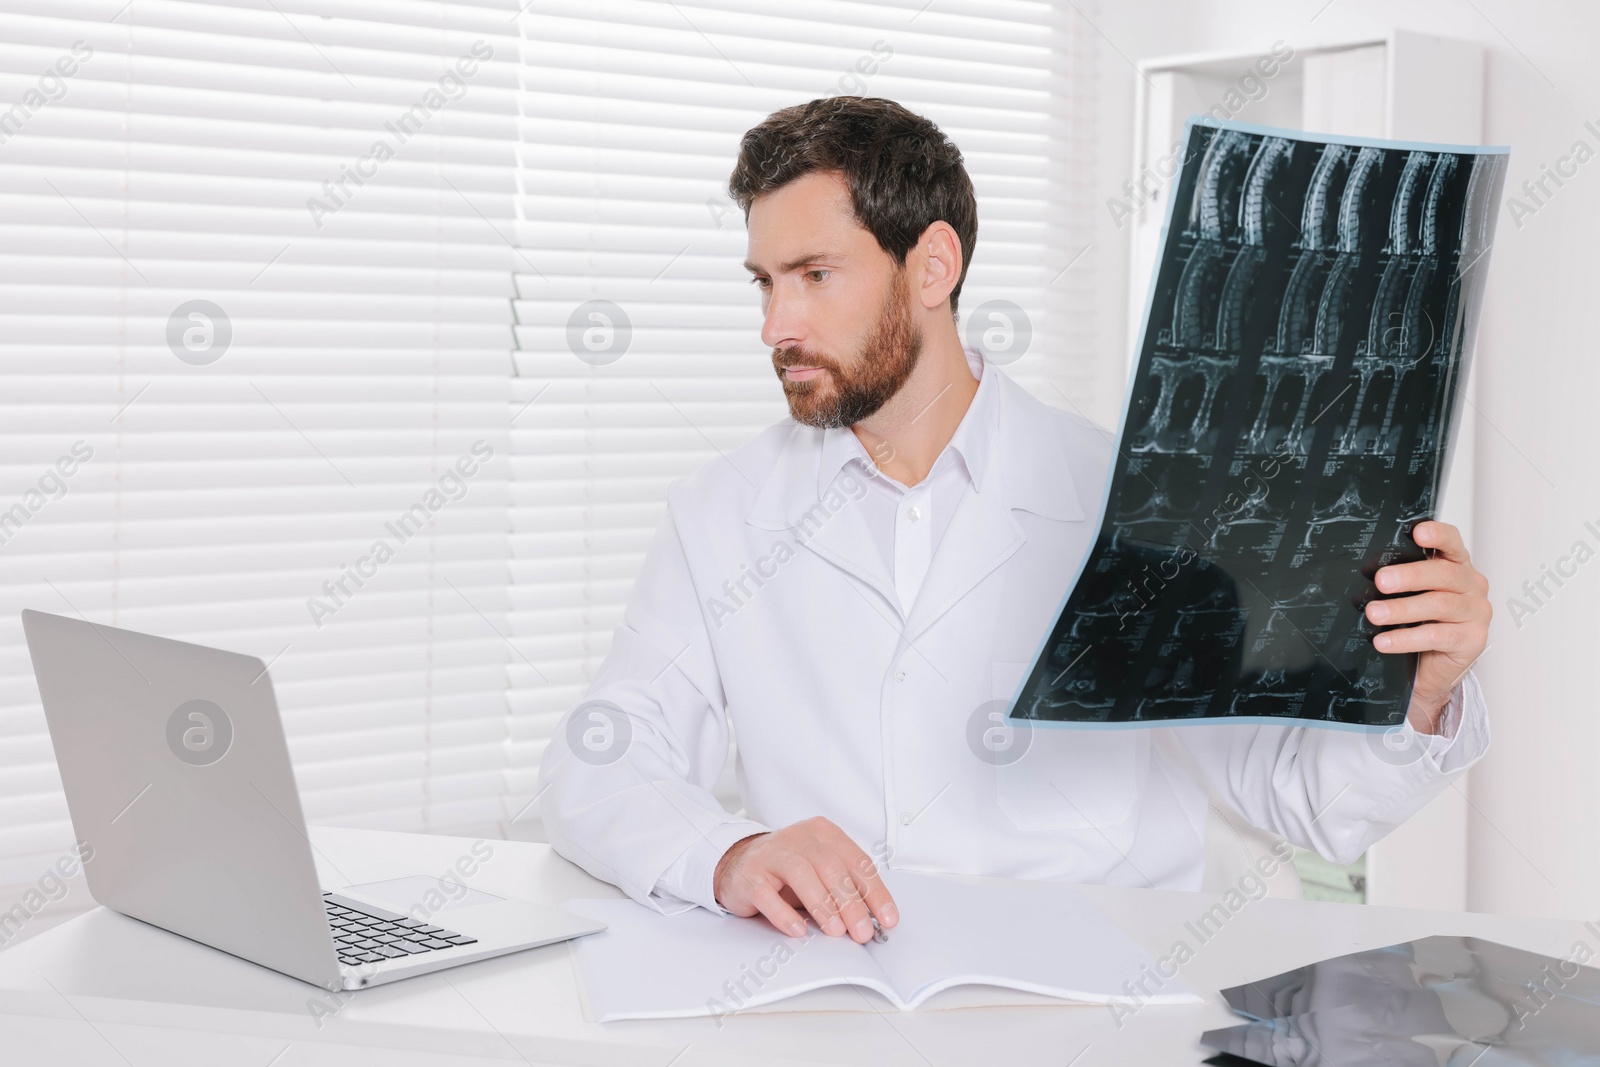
760, 283
809, 273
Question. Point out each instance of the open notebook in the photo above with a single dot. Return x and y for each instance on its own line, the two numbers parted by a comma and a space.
1038, 938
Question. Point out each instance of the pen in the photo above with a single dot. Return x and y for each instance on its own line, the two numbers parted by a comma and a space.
877, 930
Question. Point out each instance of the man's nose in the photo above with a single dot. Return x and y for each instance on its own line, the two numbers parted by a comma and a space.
782, 327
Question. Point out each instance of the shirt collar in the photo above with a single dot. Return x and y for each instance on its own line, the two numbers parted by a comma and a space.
970, 444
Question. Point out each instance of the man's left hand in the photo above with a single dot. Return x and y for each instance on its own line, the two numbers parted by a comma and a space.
1445, 618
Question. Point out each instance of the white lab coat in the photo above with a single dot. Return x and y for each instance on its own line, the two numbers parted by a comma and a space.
765, 601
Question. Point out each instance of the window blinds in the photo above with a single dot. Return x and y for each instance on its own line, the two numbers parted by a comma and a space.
276, 275
252, 276
638, 348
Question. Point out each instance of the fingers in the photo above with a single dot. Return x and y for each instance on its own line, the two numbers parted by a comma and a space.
1443, 538
1449, 566
770, 903
801, 875
836, 861
1451, 638
1430, 574
855, 882
1433, 606
779, 882
813, 867
1448, 610
876, 894
853, 914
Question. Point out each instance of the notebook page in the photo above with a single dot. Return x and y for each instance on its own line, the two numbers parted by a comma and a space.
646, 965
1043, 938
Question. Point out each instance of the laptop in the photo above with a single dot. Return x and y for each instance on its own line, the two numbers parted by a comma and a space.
178, 779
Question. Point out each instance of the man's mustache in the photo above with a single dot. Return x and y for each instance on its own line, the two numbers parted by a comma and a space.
790, 357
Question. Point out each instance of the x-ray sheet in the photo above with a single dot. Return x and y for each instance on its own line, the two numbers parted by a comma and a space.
1440, 1000
1299, 377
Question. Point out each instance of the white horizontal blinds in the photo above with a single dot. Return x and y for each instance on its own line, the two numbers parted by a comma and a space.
1065, 364
633, 126
367, 329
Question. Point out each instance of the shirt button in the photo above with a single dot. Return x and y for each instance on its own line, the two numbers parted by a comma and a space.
899, 676
905, 818
914, 513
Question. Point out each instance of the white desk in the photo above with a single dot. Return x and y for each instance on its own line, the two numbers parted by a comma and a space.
105, 989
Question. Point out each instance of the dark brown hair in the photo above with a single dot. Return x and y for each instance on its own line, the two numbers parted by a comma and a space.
904, 174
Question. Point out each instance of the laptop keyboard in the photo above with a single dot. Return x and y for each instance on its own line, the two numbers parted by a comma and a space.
366, 934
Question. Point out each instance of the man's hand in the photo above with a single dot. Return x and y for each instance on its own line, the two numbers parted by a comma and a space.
812, 865
1446, 618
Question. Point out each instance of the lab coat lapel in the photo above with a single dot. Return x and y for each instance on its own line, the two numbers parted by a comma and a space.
1028, 469
981, 536
789, 500
846, 541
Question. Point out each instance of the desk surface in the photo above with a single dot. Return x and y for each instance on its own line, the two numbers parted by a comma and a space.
105, 989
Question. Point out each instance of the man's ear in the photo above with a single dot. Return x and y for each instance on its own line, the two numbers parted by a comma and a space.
938, 253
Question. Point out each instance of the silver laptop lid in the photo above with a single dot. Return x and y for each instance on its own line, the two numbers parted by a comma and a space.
177, 775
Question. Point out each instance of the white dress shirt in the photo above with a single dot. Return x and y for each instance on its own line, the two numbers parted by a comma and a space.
860, 636
907, 523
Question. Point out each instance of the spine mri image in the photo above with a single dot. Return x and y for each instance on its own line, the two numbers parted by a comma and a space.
1299, 380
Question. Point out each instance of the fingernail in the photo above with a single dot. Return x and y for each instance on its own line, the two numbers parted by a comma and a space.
863, 931
889, 915
834, 925
1377, 611
797, 929
1382, 642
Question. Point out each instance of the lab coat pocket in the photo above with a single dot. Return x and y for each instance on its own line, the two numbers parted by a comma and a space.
1065, 778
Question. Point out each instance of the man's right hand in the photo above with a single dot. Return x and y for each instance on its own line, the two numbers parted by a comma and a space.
812, 865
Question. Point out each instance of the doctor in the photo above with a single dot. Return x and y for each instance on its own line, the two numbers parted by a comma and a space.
859, 590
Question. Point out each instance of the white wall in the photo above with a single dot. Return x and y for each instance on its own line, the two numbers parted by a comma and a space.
1532, 809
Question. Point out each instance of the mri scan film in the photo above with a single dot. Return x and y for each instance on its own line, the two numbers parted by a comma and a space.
1299, 380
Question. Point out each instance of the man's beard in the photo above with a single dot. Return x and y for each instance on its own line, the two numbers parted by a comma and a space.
837, 397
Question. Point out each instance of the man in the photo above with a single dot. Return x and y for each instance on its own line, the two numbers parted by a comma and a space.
855, 589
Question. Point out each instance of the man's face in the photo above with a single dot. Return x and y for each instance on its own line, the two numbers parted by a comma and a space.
839, 314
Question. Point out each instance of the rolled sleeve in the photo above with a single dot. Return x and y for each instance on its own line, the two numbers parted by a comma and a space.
1463, 735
